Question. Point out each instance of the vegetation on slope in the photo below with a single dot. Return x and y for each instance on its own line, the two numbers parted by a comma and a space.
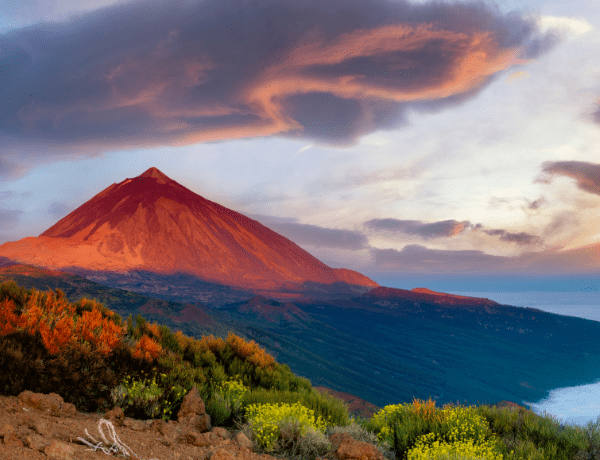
93, 359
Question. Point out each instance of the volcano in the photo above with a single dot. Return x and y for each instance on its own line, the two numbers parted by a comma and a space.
152, 223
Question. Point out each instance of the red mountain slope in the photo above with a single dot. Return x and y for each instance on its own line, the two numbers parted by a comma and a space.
153, 223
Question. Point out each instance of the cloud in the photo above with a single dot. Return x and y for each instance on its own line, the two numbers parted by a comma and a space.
586, 174
58, 210
537, 203
520, 238
572, 26
447, 229
561, 222
516, 76
167, 72
416, 258
419, 259
314, 235
9, 218
596, 115
442, 229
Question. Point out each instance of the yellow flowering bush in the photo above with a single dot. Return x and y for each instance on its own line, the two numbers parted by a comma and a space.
463, 434
267, 421
139, 395
456, 450
427, 433
233, 392
382, 421
226, 402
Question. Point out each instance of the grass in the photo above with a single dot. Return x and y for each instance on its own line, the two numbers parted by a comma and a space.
95, 360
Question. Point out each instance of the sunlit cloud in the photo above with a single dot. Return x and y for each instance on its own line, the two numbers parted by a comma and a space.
516, 76
575, 26
587, 175
146, 74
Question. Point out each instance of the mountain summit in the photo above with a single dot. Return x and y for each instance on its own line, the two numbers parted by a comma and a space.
151, 222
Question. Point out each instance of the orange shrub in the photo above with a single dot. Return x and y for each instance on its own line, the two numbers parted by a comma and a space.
154, 330
426, 410
56, 320
102, 333
147, 349
261, 359
50, 315
240, 347
212, 343
59, 337
110, 336
30, 319
89, 324
250, 351
182, 340
8, 318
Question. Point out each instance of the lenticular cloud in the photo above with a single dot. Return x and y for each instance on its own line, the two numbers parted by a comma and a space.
143, 74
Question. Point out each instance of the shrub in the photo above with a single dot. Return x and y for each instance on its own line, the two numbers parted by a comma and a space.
420, 431
428, 448
225, 406
138, 396
331, 409
283, 423
22, 360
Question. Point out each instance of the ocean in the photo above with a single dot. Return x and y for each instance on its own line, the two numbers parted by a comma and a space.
572, 405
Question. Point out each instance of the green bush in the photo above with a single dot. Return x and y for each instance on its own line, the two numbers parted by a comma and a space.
225, 406
138, 396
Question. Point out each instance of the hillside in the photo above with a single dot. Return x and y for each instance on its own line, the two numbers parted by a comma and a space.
386, 349
64, 360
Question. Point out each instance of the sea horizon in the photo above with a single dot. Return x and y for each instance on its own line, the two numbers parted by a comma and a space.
571, 405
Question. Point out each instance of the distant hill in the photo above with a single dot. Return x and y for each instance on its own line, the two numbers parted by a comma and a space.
356, 405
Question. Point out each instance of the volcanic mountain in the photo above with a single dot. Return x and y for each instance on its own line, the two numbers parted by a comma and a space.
152, 223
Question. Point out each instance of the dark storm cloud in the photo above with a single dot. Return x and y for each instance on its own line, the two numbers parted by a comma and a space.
142, 74
586, 174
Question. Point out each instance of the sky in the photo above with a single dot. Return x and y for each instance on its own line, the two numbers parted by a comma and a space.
420, 143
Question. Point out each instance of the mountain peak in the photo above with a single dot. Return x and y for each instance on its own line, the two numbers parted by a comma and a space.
152, 223
154, 173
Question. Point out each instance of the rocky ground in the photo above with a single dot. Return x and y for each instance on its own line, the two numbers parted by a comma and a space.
36, 426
